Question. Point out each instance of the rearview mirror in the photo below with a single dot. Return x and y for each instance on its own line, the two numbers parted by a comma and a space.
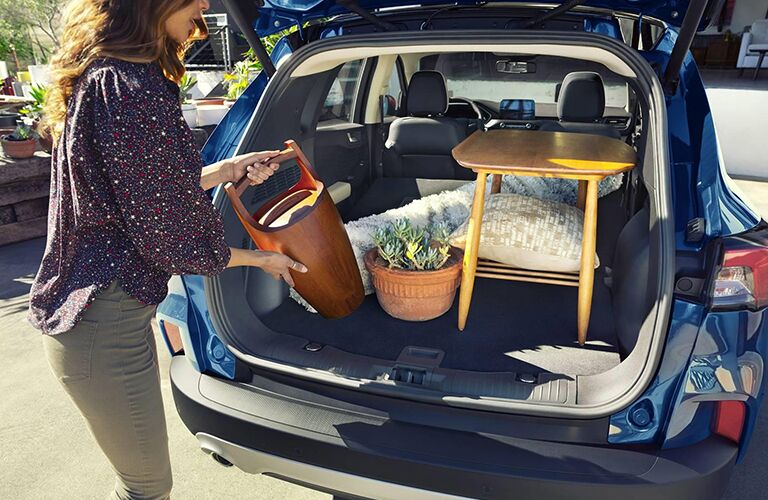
515, 67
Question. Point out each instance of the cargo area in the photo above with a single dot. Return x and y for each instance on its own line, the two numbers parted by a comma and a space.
520, 342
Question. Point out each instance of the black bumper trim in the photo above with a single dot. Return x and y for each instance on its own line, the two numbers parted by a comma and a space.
458, 463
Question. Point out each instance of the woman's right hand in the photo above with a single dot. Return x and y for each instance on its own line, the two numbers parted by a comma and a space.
276, 264
280, 265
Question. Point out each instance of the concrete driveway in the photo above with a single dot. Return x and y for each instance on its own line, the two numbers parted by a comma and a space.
47, 452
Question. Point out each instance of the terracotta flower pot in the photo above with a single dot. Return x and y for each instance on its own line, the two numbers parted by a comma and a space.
415, 295
209, 102
19, 149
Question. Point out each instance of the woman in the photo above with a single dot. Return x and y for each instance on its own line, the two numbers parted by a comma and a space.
127, 210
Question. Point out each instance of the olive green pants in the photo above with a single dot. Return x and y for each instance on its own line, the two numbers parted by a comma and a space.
108, 365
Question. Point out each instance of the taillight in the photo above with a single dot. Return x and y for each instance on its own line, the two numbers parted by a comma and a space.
172, 336
729, 419
742, 281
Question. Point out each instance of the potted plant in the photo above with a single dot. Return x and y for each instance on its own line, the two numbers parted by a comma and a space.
414, 270
188, 108
21, 143
34, 112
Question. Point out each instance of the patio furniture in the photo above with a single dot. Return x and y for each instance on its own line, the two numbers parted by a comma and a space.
754, 45
586, 157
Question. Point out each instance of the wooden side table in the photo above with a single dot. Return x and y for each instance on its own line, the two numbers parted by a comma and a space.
585, 157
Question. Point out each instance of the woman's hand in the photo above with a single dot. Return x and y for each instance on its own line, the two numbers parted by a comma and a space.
276, 264
279, 266
254, 164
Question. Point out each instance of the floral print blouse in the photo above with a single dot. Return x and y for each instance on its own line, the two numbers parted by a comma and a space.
125, 201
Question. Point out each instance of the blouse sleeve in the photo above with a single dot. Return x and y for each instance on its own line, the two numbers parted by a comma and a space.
154, 170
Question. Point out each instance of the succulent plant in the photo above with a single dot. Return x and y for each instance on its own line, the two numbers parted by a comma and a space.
22, 132
405, 246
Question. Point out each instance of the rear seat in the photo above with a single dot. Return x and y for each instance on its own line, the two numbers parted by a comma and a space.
420, 144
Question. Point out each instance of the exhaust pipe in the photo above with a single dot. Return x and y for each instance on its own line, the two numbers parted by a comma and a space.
220, 460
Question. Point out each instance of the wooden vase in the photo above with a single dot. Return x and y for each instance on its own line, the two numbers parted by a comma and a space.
303, 223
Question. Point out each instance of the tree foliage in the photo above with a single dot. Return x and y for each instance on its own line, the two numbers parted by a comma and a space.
14, 37
40, 18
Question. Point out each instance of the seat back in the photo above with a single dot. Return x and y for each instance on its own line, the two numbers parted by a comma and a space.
759, 32
580, 106
420, 144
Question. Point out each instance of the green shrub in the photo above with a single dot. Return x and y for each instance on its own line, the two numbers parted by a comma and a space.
186, 85
34, 110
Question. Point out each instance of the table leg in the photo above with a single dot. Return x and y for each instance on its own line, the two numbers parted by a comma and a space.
495, 183
581, 196
759, 64
474, 227
587, 271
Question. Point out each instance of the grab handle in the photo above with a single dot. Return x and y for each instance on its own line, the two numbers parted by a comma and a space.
284, 155
307, 180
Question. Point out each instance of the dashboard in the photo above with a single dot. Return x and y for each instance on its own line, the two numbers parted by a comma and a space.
459, 107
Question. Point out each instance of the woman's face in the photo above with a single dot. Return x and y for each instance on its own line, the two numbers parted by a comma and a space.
181, 24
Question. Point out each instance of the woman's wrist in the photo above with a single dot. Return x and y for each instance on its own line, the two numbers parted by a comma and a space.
243, 257
215, 174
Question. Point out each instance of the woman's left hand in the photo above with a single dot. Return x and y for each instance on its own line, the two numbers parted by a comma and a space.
254, 164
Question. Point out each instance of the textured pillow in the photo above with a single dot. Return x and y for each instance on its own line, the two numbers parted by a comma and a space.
529, 233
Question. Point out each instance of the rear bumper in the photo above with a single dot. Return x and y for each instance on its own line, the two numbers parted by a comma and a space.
337, 447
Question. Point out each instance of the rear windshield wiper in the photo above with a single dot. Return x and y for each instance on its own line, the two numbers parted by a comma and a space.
560, 9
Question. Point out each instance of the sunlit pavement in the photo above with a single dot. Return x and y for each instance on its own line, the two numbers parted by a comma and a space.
47, 452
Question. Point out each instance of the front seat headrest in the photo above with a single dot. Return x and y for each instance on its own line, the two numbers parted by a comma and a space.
427, 95
582, 97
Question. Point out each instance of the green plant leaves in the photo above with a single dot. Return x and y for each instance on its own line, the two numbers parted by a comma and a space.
405, 246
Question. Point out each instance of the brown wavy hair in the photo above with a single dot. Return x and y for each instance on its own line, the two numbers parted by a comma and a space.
132, 30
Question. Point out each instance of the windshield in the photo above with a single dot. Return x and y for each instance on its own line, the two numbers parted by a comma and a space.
493, 78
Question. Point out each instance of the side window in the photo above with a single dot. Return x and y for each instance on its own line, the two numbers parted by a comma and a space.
340, 101
393, 94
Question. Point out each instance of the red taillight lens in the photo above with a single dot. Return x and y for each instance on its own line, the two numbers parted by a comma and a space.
173, 335
742, 281
729, 419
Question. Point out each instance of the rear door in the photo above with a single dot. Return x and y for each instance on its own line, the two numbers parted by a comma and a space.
342, 145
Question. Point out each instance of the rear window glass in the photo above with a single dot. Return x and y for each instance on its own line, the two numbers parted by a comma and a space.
494, 77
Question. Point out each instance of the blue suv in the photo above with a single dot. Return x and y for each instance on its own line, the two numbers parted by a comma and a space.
663, 398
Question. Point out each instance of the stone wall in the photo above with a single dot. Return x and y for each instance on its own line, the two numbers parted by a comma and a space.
24, 188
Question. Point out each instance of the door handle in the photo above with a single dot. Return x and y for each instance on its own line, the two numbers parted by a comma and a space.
352, 137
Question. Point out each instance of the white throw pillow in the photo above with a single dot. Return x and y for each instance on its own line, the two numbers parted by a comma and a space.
529, 233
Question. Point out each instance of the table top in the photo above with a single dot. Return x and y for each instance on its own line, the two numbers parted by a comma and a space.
546, 154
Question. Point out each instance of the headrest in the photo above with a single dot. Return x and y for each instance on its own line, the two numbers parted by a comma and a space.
427, 94
582, 97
